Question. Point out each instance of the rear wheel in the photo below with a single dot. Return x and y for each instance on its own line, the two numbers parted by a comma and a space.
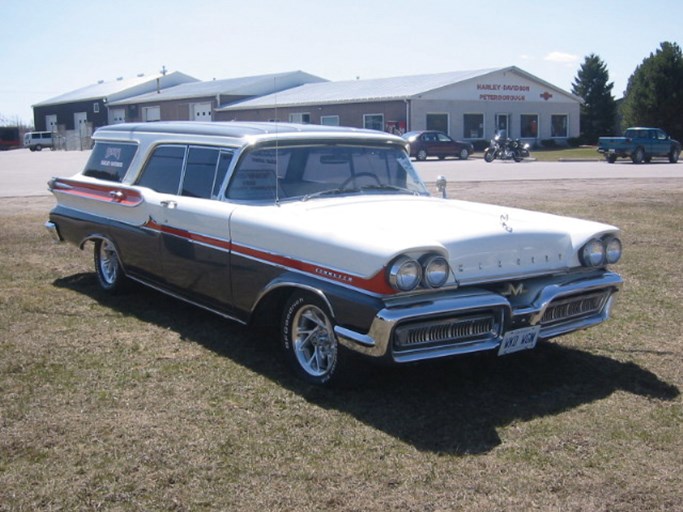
309, 341
611, 159
110, 275
638, 156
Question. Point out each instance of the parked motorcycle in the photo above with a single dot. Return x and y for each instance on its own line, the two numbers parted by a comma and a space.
503, 148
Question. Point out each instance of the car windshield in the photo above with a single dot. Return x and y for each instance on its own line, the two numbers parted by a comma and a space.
306, 172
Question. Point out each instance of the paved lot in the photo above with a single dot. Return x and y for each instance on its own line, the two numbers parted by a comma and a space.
24, 174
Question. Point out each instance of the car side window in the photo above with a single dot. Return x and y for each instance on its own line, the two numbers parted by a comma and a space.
444, 138
163, 170
110, 161
204, 172
200, 172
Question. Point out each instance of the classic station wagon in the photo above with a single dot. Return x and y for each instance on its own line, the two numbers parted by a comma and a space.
331, 234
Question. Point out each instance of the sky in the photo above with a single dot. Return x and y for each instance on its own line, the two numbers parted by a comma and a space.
49, 48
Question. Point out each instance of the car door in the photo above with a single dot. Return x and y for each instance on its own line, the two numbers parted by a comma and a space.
446, 146
661, 145
430, 143
192, 222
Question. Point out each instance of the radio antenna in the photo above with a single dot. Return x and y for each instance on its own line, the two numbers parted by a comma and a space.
277, 147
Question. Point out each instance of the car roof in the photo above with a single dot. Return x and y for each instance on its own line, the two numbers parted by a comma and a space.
240, 130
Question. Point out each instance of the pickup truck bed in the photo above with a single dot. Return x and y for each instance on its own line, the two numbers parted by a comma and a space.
640, 145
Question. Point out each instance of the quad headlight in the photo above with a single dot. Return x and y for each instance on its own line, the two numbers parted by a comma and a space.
612, 249
406, 273
435, 270
598, 252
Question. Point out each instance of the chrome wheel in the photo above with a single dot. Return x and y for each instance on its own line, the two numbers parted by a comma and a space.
107, 266
308, 339
422, 155
464, 154
314, 343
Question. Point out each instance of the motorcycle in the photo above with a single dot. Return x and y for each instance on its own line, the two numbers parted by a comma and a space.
506, 149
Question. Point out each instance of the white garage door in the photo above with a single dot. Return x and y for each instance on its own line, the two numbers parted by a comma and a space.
200, 112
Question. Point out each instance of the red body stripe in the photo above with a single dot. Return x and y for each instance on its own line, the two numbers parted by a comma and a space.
375, 284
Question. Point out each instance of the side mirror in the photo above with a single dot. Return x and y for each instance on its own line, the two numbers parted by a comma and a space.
441, 185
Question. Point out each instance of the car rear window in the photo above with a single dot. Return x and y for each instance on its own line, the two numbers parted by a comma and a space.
110, 160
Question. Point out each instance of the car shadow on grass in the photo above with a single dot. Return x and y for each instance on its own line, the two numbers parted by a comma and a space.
448, 406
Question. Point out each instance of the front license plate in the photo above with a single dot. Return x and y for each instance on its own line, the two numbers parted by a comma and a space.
519, 339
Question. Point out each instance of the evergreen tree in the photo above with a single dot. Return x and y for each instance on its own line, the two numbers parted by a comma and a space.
599, 109
654, 94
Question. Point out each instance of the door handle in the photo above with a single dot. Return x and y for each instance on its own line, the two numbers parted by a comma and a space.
116, 196
169, 204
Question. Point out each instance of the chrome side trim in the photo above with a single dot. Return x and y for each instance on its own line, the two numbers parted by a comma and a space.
185, 299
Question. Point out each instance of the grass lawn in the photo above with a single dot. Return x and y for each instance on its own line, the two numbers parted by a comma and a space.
139, 402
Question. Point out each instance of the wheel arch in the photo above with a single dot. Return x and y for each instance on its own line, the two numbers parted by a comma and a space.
272, 299
99, 237
347, 307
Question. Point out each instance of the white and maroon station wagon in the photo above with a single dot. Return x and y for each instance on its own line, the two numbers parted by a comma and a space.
331, 232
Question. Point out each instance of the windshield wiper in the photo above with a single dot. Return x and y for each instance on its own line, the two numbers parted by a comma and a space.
330, 192
393, 188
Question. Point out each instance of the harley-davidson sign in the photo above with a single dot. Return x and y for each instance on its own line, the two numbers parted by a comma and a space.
498, 88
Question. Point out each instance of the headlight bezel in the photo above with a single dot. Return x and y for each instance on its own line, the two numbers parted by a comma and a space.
429, 271
599, 252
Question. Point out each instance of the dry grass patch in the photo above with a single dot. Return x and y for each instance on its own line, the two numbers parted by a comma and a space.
139, 402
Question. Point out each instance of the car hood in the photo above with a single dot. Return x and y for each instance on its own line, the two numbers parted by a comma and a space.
360, 235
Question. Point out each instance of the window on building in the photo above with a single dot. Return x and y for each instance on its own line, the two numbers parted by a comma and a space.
438, 122
96, 108
473, 126
528, 126
300, 117
329, 120
373, 122
558, 125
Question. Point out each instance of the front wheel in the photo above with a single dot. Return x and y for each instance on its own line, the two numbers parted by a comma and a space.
309, 341
673, 156
110, 275
464, 154
517, 157
611, 159
489, 155
422, 155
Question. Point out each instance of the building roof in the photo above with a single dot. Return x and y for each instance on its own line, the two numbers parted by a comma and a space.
379, 89
121, 87
243, 86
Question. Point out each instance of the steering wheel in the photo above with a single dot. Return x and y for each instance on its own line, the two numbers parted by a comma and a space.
359, 175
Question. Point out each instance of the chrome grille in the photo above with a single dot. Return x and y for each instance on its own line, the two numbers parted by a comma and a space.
445, 331
576, 306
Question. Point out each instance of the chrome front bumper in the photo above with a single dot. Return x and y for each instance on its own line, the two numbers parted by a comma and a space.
477, 320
